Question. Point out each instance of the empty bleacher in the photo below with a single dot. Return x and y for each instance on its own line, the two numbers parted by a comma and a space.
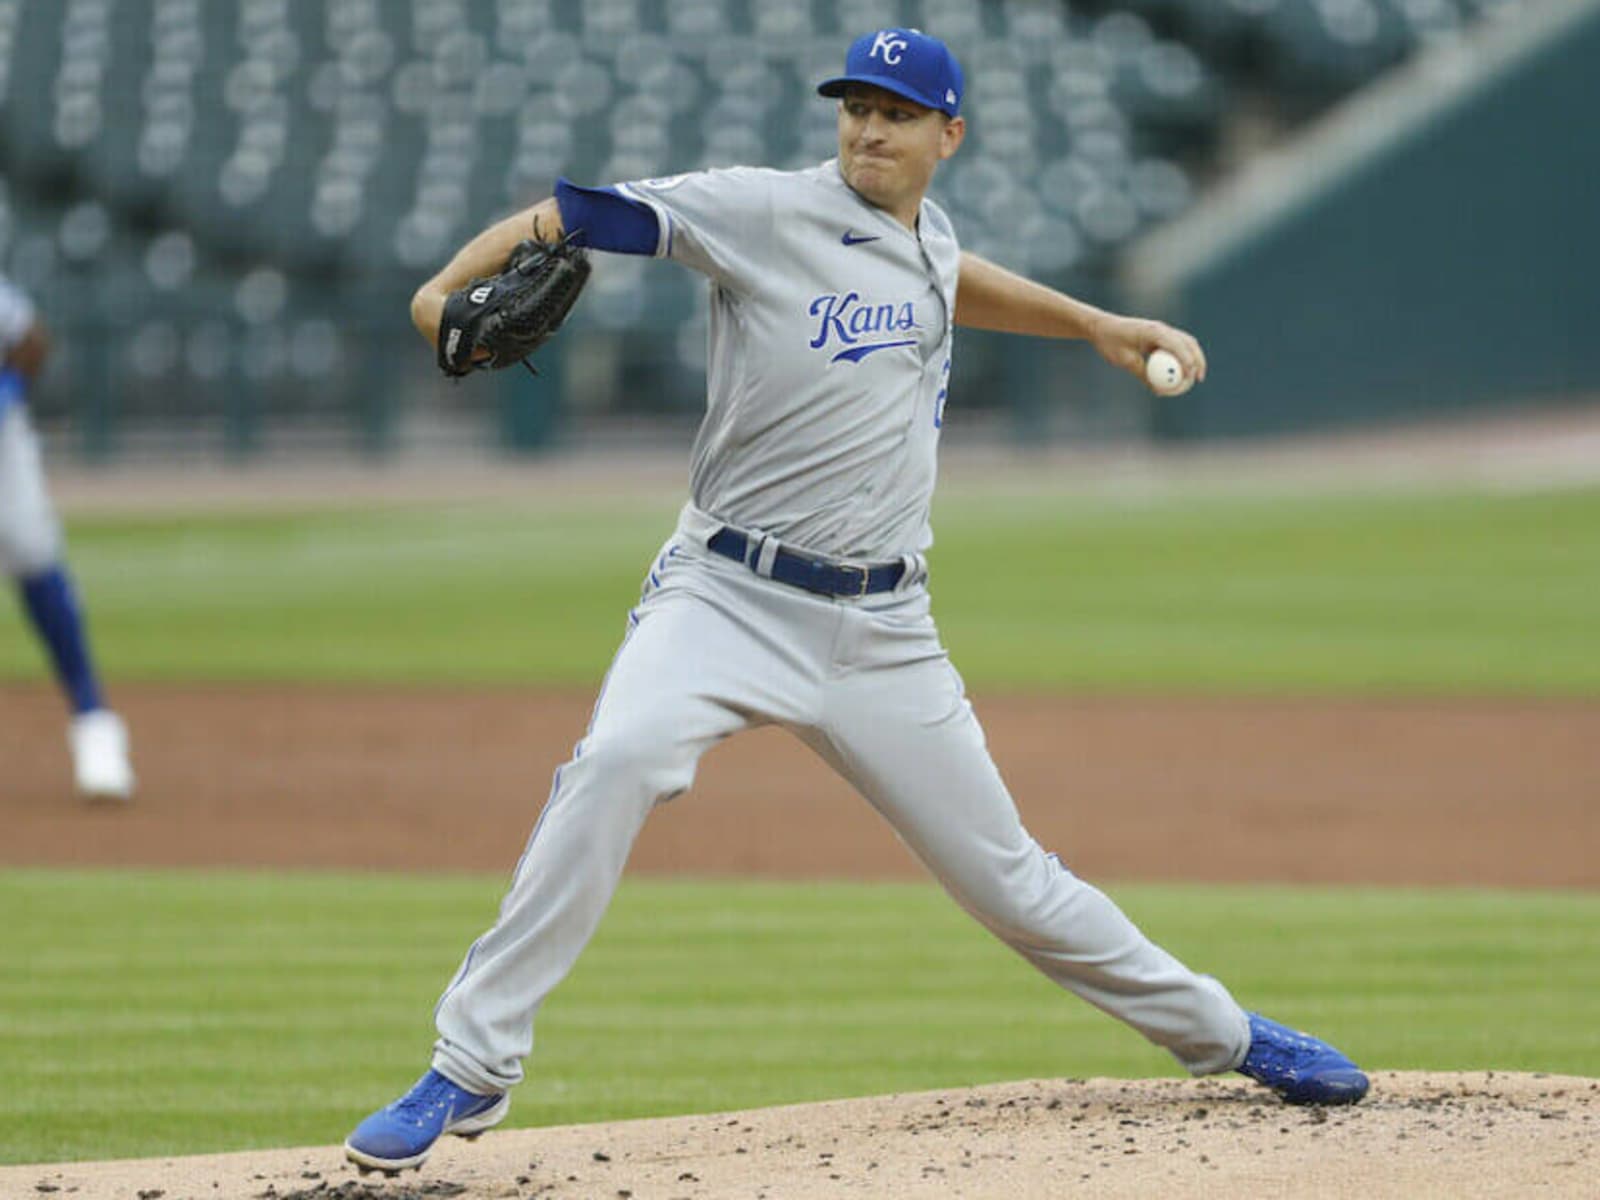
226, 205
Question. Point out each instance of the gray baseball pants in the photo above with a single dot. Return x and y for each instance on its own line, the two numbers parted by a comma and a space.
713, 649
30, 534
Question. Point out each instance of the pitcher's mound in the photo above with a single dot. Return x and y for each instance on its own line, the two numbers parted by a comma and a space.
1416, 1135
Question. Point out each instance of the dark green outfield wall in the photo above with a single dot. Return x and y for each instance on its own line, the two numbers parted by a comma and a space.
1456, 269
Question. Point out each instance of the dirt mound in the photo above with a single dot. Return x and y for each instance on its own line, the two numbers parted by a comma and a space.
1416, 1135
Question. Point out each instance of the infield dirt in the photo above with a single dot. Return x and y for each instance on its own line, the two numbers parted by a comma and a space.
1475, 792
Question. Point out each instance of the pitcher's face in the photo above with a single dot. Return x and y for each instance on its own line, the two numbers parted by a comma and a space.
889, 147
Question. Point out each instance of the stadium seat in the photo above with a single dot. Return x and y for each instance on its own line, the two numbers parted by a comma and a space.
348, 146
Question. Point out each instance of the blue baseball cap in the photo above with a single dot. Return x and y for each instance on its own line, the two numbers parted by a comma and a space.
906, 62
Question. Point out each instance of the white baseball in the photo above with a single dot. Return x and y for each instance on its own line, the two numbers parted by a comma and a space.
1166, 374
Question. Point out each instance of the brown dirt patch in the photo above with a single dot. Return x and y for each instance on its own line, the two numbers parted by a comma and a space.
1421, 792
1416, 1137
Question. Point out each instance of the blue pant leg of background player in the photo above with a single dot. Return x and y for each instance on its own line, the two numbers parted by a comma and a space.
31, 554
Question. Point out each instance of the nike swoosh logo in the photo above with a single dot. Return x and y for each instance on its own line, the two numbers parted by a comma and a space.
861, 352
850, 239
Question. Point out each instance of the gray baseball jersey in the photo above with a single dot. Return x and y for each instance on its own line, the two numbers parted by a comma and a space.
829, 357
16, 315
30, 534
830, 353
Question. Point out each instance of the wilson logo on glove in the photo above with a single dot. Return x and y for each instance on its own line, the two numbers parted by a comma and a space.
493, 323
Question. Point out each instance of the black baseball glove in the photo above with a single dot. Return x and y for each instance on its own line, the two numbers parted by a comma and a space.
494, 322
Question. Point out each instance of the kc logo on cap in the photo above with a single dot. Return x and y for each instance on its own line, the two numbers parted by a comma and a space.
906, 62
889, 46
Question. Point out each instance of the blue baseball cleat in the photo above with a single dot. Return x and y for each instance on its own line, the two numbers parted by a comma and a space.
401, 1135
1299, 1067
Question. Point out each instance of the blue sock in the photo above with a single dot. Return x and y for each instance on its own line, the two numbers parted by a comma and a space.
53, 608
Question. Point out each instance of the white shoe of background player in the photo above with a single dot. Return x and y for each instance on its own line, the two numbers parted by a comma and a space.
100, 756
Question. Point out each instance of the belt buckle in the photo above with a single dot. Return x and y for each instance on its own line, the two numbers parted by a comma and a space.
866, 578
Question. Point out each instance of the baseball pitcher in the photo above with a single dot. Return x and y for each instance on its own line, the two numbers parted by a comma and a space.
794, 589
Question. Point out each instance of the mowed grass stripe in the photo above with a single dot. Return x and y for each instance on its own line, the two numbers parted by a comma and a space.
1402, 593
188, 1012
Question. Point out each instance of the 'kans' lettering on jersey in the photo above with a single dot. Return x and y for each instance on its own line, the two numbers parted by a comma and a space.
847, 320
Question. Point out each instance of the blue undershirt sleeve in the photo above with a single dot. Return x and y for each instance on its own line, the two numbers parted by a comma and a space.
604, 219
13, 388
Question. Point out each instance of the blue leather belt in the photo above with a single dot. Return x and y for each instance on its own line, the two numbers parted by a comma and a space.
813, 574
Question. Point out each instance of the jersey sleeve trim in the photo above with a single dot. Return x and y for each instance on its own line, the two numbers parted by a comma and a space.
606, 219
664, 223
13, 388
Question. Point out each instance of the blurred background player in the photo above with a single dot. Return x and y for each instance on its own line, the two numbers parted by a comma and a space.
31, 553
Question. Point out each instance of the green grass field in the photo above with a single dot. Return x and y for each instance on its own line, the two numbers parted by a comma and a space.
193, 1012
1418, 593
148, 1014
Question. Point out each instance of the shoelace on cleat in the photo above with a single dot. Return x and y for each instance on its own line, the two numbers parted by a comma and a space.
1286, 1051
428, 1096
